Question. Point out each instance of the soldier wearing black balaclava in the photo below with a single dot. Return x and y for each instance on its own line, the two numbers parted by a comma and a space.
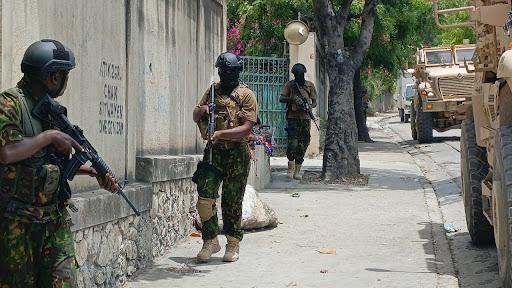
236, 112
298, 120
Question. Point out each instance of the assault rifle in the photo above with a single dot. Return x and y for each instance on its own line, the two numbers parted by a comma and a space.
48, 110
211, 123
306, 106
202, 166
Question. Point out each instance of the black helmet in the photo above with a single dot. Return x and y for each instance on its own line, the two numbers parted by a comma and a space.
45, 57
299, 68
228, 59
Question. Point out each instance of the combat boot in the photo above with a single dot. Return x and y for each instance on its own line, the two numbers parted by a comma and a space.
209, 247
291, 169
296, 174
232, 249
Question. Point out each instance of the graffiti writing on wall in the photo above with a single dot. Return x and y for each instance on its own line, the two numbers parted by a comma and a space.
111, 105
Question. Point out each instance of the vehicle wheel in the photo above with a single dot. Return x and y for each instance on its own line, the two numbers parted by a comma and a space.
406, 118
401, 114
502, 201
413, 123
423, 125
474, 168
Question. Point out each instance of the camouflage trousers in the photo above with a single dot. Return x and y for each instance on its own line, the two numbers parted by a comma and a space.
298, 139
234, 163
35, 254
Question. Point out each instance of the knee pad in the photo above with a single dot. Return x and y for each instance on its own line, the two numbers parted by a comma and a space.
206, 208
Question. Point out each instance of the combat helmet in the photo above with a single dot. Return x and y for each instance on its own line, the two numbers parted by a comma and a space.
45, 57
299, 68
227, 60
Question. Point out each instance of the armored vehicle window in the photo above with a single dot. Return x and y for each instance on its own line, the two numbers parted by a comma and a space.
439, 57
409, 92
465, 54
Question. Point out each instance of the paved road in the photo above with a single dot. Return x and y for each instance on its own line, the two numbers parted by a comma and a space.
440, 163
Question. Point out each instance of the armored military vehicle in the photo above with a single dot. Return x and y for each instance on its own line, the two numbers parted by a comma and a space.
442, 85
486, 141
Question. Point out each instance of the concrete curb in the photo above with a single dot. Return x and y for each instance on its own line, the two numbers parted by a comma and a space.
446, 272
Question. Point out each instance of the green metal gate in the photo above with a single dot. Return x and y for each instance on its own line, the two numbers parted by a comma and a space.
266, 76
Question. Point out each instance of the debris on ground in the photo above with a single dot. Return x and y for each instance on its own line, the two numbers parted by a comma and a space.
196, 234
449, 228
295, 194
256, 214
185, 269
304, 216
323, 271
330, 251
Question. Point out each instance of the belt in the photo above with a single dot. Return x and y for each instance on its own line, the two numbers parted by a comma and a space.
229, 144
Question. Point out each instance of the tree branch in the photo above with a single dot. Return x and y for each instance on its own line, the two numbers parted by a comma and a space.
324, 16
366, 34
343, 13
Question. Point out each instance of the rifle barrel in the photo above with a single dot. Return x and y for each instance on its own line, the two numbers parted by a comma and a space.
120, 192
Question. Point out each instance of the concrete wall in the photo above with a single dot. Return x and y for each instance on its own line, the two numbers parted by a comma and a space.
175, 44
306, 54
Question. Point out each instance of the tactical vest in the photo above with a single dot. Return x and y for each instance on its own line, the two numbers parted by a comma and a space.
32, 182
226, 113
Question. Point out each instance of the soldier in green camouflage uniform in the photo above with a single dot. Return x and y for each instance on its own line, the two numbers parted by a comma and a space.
298, 121
236, 109
36, 244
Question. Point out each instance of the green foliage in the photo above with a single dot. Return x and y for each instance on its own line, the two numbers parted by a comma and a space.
455, 35
401, 26
262, 23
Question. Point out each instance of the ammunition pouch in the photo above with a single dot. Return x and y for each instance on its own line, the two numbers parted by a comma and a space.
35, 185
204, 168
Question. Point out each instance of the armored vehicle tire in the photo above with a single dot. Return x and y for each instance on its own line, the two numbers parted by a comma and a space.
474, 168
401, 114
502, 183
424, 125
413, 123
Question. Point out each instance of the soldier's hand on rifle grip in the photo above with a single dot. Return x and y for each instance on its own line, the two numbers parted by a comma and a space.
62, 142
217, 135
108, 183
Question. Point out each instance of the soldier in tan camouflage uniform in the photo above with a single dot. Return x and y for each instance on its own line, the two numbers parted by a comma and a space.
36, 244
236, 111
298, 121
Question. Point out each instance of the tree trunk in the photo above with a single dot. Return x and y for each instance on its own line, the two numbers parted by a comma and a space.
341, 157
362, 128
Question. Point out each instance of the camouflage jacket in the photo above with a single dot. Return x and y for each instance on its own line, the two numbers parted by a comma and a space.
308, 90
28, 187
231, 110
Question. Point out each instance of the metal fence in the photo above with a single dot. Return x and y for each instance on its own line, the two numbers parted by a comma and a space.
266, 77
